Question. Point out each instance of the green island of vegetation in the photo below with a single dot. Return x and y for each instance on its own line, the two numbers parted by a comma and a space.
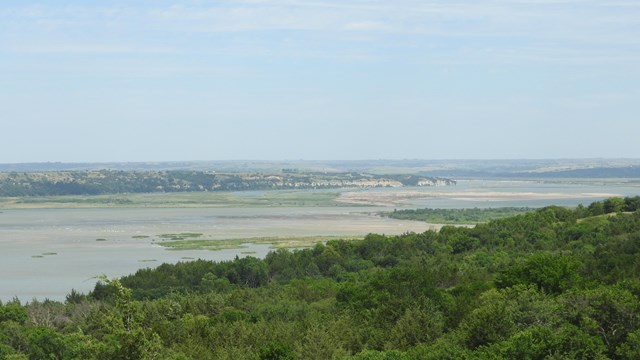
278, 242
554, 283
456, 216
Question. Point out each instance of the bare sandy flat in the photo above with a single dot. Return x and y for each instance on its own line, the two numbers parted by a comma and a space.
404, 197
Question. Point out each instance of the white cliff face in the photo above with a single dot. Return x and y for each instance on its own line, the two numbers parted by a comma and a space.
363, 183
436, 182
108, 181
377, 183
354, 183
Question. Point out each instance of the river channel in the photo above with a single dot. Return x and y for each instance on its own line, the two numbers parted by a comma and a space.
44, 253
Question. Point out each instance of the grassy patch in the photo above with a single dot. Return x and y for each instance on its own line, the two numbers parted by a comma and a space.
101, 239
597, 220
273, 198
275, 242
201, 245
180, 236
139, 236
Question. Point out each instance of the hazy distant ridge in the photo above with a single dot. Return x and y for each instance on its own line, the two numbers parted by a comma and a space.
540, 168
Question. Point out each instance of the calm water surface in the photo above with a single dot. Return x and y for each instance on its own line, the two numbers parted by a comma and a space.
44, 253
47, 252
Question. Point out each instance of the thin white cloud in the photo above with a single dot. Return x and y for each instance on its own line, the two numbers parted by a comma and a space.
88, 49
367, 26
608, 30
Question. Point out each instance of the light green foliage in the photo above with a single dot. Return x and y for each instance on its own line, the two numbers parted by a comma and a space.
420, 324
614, 205
276, 351
492, 321
318, 343
13, 312
537, 342
378, 355
211, 283
551, 273
445, 348
630, 349
126, 338
609, 312
16, 357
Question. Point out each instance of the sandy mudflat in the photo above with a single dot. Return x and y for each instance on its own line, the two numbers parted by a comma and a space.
404, 197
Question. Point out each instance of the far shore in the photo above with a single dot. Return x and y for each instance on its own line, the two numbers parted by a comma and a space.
405, 197
344, 197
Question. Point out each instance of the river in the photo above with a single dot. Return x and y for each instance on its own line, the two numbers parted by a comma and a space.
44, 253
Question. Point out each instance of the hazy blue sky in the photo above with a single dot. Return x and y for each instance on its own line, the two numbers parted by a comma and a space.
322, 79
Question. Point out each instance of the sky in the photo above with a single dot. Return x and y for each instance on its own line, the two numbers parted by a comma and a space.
104, 81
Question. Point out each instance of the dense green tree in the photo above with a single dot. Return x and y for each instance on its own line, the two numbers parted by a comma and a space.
630, 349
613, 205
596, 208
422, 323
632, 204
551, 273
492, 321
13, 311
276, 351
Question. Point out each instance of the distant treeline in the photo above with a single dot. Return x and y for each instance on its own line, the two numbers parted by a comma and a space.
457, 216
97, 182
621, 172
554, 283
513, 168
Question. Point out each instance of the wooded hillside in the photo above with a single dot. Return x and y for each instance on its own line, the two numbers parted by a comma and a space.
97, 182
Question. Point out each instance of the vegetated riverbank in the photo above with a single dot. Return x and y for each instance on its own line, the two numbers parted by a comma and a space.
456, 216
195, 242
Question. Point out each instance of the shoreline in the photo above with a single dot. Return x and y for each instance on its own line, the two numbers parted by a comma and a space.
405, 197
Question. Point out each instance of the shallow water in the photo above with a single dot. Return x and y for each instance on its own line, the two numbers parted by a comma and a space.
47, 252
44, 253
